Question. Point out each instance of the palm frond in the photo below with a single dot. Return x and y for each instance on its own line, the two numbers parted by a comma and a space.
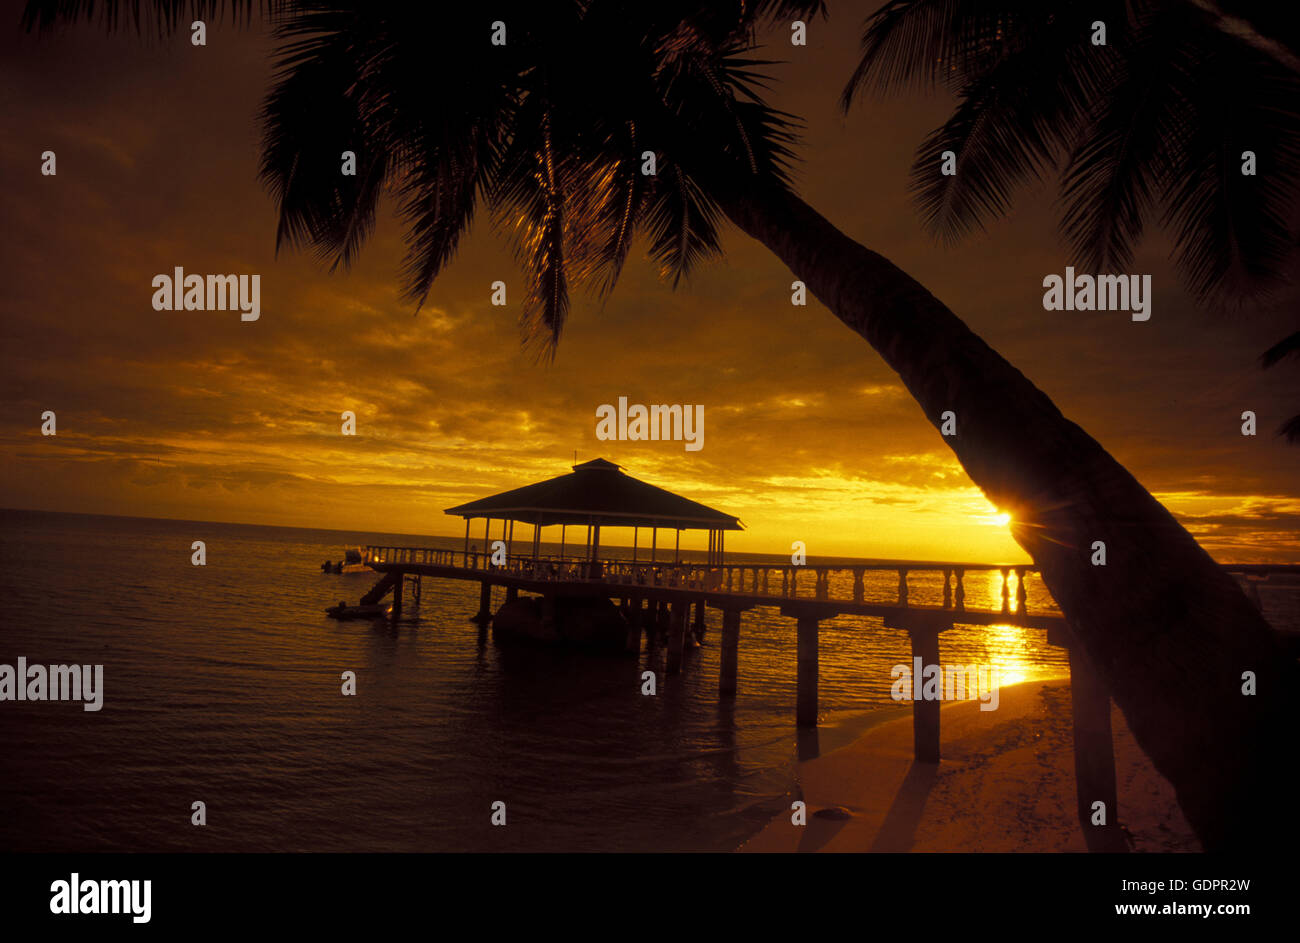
1012, 124
1124, 158
1232, 231
949, 42
547, 131
164, 17
682, 224
309, 120
437, 197
1288, 346
1290, 430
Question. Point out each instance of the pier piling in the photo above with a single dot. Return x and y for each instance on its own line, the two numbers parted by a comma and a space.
632, 612
484, 603
645, 617
676, 637
925, 714
730, 652
806, 696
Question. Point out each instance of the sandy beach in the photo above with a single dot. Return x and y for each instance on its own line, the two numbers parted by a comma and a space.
1006, 783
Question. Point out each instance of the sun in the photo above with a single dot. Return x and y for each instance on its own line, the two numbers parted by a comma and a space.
1002, 520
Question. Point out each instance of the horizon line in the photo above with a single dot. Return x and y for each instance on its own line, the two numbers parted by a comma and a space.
333, 530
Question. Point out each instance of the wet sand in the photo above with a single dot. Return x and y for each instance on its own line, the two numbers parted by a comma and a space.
1006, 783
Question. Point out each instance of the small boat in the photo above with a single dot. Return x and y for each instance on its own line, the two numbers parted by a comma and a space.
353, 562
344, 611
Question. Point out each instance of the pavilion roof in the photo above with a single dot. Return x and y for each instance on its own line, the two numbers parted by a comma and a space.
598, 492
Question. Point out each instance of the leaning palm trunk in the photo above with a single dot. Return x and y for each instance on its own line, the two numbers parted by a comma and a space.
1169, 632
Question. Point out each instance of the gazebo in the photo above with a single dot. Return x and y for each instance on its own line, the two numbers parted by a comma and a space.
597, 494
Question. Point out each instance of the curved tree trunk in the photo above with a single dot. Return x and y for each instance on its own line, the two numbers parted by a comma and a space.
1168, 630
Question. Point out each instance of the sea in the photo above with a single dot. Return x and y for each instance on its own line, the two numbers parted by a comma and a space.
223, 685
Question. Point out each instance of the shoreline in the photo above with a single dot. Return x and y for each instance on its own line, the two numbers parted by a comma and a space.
1005, 784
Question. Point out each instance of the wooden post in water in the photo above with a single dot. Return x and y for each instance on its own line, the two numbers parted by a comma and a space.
484, 603
646, 618
676, 637
632, 612
925, 714
699, 621
397, 596
730, 652
1094, 755
548, 614
512, 593
806, 697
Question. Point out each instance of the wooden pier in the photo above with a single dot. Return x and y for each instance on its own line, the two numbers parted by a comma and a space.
651, 593
801, 593
661, 598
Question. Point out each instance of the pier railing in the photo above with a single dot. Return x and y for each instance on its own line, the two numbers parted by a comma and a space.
1010, 588
900, 583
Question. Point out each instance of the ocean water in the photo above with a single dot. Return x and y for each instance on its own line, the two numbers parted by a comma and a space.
223, 686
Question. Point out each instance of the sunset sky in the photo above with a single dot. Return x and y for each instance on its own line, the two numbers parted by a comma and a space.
807, 434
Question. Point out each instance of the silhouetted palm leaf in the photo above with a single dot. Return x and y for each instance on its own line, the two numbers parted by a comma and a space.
1231, 230
547, 130
1143, 125
163, 16
1113, 177
1288, 346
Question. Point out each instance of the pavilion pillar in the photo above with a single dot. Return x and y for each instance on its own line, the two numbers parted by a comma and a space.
634, 535
487, 537
730, 652
806, 696
676, 636
677, 547
654, 541
465, 559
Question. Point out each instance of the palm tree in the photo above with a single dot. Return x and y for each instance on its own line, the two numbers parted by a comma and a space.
549, 132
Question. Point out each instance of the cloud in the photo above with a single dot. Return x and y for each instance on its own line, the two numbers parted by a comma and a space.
808, 435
